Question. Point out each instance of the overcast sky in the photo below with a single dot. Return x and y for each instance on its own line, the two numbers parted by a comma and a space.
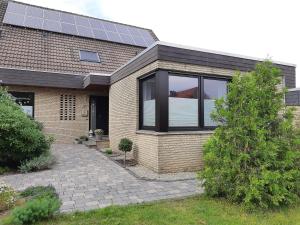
258, 28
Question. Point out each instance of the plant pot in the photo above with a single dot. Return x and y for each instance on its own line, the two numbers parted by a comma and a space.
99, 137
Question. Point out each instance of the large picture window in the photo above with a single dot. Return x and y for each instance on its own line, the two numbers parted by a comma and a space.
178, 102
25, 100
183, 101
148, 89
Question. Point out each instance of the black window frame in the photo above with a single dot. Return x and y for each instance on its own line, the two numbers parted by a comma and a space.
86, 60
141, 102
32, 97
162, 99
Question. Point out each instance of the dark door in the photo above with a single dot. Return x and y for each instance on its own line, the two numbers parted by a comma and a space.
99, 113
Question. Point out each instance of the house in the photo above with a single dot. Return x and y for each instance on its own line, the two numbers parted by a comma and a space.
75, 73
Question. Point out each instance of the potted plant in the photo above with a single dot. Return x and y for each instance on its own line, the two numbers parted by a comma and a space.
99, 133
125, 145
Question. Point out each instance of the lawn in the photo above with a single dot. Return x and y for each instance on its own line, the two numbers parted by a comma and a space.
194, 210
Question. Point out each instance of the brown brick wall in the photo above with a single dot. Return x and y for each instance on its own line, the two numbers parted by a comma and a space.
47, 111
169, 153
40, 50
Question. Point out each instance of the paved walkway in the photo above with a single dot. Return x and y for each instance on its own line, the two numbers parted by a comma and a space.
85, 179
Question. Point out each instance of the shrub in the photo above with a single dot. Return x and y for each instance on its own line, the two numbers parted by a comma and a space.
125, 145
108, 151
7, 197
253, 156
83, 138
20, 139
42, 162
35, 210
4, 170
39, 191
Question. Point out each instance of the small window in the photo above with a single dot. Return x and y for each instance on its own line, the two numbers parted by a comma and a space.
25, 100
213, 89
148, 88
67, 107
89, 56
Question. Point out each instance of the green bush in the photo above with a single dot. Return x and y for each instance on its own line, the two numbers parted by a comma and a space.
7, 197
35, 210
20, 137
108, 151
42, 162
253, 156
39, 191
4, 169
125, 146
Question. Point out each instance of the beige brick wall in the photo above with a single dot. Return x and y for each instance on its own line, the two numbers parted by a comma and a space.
296, 113
47, 111
168, 153
181, 152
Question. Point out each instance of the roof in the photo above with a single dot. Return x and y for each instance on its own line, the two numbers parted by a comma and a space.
36, 17
158, 51
197, 56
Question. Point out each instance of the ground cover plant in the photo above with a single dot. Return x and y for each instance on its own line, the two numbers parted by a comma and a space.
40, 203
253, 156
21, 138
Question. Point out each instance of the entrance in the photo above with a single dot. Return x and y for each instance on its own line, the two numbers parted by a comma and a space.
99, 113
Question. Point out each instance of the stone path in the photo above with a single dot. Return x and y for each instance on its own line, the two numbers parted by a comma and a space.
85, 179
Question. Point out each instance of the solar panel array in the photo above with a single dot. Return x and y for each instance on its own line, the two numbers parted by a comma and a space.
51, 20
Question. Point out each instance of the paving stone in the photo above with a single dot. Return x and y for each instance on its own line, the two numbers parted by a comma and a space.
85, 179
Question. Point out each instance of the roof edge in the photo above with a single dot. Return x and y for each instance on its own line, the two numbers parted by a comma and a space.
219, 52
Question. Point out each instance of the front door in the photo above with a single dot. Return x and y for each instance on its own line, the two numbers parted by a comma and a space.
99, 113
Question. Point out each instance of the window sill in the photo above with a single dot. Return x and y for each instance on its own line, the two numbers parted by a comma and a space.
154, 133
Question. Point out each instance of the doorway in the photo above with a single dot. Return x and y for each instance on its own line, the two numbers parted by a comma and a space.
99, 113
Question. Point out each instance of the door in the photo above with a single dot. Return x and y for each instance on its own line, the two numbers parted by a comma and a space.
99, 113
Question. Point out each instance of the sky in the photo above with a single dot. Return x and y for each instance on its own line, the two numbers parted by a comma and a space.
258, 28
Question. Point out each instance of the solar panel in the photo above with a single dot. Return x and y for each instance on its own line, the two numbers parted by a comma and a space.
24, 15
52, 25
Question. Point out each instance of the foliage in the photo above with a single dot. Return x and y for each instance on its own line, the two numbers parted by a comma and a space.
108, 151
20, 139
125, 145
39, 125
253, 156
4, 169
99, 132
42, 162
7, 197
83, 138
39, 191
35, 210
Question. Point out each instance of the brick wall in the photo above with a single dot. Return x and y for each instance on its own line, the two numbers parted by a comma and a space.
47, 111
161, 153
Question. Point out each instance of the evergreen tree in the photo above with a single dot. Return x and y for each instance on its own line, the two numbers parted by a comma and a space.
253, 156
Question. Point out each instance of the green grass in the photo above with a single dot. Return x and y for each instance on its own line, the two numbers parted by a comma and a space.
195, 210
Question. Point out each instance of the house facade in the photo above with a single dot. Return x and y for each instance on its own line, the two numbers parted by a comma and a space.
75, 73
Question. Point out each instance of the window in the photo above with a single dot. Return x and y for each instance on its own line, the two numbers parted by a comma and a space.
67, 107
25, 100
183, 101
148, 102
213, 89
89, 56
173, 101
